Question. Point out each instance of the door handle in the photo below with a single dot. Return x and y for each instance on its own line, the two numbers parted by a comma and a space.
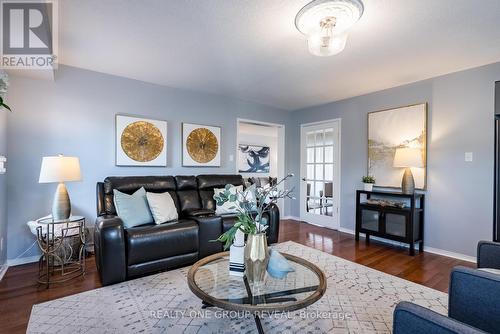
303, 179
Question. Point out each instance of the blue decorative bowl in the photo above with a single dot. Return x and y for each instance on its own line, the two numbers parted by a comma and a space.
278, 266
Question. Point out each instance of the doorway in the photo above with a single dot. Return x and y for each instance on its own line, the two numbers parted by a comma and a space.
266, 139
320, 173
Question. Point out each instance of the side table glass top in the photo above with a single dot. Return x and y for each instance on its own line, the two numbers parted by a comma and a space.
209, 279
71, 219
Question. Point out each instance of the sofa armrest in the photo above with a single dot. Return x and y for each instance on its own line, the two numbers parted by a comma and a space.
474, 298
209, 229
410, 318
273, 219
488, 254
109, 243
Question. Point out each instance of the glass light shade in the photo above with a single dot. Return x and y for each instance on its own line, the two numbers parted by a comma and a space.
323, 45
60, 169
408, 157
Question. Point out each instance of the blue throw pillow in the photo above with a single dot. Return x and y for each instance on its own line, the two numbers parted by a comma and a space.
132, 209
278, 266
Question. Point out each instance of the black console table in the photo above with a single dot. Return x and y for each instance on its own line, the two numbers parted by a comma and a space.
382, 219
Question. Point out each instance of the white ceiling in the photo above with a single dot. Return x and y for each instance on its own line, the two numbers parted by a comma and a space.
250, 49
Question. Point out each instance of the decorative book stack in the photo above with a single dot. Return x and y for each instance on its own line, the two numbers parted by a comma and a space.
237, 255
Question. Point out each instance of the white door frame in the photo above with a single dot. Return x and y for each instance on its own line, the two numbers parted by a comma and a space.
337, 170
281, 150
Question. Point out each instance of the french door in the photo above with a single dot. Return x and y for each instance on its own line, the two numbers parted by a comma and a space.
320, 173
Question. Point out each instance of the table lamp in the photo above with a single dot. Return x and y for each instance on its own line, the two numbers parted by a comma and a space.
60, 169
406, 158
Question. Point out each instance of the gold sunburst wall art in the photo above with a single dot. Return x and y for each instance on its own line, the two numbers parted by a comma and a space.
200, 145
140, 141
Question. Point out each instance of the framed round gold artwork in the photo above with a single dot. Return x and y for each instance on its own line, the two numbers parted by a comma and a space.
140, 142
201, 145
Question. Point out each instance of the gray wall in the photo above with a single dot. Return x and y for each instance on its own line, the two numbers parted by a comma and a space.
460, 194
3, 185
74, 115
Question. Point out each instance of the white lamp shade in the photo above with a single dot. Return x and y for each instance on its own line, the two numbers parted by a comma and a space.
60, 169
408, 157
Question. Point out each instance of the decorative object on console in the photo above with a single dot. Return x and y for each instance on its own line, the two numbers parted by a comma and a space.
4, 85
388, 130
200, 145
384, 202
407, 158
140, 141
253, 159
162, 207
368, 182
326, 23
251, 205
278, 266
133, 209
60, 169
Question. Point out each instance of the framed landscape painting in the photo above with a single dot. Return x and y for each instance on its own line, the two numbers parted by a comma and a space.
140, 141
253, 158
391, 129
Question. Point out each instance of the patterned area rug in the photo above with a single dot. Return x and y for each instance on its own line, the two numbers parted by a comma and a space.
358, 300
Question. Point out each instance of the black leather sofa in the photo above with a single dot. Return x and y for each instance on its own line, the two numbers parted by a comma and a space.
122, 253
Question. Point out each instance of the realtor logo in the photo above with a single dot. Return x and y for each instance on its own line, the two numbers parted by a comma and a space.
29, 31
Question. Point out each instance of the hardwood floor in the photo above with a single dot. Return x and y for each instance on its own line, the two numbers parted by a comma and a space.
19, 290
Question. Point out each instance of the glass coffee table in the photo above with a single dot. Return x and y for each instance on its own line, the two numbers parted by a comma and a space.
210, 281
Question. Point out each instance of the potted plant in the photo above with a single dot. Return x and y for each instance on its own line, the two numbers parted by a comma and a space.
251, 205
368, 182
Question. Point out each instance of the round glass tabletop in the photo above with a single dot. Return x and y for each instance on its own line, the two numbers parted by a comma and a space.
71, 219
209, 279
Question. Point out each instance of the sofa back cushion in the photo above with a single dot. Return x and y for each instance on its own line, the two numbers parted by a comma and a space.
207, 183
130, 184
187, 192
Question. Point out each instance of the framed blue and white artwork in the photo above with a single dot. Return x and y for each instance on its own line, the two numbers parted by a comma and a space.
253, 158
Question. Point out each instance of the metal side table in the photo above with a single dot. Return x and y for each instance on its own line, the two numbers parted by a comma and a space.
63, 250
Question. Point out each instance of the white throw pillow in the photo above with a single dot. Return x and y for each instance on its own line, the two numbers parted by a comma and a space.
228, 207
162, 207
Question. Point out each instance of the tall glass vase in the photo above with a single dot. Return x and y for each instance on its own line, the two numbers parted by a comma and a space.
256, 259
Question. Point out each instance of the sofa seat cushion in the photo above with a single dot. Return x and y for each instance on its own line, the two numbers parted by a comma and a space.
228, 221
198, 213
153, 242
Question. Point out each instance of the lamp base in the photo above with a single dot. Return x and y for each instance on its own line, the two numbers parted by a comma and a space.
408, 183
61, 206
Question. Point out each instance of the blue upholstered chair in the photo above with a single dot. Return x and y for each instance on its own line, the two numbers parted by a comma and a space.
474, 301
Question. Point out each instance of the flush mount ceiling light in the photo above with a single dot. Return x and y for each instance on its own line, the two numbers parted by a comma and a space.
326, 22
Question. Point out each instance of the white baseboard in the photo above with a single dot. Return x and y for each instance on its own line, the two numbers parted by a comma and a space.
433, 250
454, 255
23, 260
291, 218
3, 270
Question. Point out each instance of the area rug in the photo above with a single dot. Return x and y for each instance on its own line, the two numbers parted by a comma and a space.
358, 300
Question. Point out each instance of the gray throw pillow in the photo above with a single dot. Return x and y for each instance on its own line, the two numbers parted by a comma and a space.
132, 209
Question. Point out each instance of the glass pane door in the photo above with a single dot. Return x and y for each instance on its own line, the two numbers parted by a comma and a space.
319, 166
